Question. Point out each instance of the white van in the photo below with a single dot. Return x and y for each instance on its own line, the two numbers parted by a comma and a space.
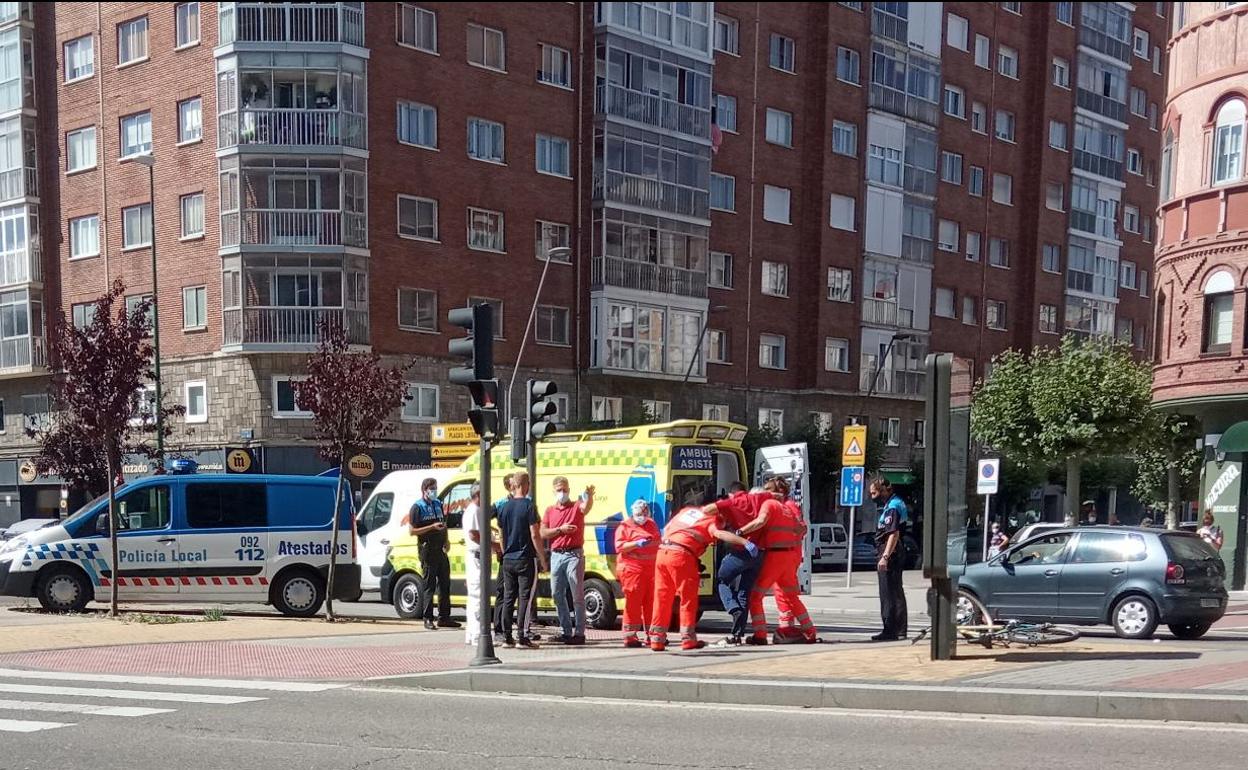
384, 518
829, 546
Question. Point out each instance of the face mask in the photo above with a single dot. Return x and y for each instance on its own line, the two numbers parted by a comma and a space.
640, 518
881, 499
429, 494
561, 498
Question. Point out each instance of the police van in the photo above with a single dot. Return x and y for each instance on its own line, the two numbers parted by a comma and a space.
198, 538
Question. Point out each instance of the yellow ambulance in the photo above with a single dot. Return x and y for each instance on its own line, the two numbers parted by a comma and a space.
687, 462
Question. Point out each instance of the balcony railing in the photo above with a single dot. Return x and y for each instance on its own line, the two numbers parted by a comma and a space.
651, 194
23, 355
289, 227
1101, 105
901, 103
653, 110
916, 249
296, 23
1084, 221
292, 128
647, 276
18, 183
919, 180
1099, 41
1098, 164
291, 325
887, 313
889, 381
890, 26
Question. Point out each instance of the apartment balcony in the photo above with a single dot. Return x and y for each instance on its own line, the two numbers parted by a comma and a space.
19, 183
1098, 164
23, 356
647, 276
277, 127
888, 381
284, 328
293, 228
620, 102
916, 249
887, 313
653, 194
291, 23
1099, 41
1084, 221
901, 103
1101, 105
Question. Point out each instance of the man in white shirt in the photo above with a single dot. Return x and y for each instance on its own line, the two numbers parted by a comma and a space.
472, 566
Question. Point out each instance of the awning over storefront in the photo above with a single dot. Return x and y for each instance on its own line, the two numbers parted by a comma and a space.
898, 478
1234, 439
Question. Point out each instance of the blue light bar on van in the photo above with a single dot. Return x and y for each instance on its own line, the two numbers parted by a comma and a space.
183, 466
684, 431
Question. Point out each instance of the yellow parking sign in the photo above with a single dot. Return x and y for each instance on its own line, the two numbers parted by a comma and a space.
854, 445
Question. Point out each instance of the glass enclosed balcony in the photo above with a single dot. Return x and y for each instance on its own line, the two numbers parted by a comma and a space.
23, 346
272, 302
291, 203
291, 23
17, 70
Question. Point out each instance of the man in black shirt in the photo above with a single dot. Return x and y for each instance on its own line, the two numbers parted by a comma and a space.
520, 530
428, 524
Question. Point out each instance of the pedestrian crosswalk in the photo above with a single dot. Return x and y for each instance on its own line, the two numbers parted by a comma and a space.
27, 705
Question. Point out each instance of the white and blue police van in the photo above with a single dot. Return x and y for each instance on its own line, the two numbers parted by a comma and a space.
194, 538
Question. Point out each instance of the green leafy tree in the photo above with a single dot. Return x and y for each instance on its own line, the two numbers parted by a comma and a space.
1168, 464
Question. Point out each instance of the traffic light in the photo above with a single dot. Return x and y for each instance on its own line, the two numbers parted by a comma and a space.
542, 408
477, 348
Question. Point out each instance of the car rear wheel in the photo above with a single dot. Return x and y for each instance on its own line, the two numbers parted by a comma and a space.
1189, 630
600, 608
1134, 617
298, 593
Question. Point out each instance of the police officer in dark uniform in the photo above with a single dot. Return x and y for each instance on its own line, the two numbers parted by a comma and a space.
892, 560
428, 524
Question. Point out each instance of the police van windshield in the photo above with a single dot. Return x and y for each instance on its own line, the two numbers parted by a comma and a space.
701, 475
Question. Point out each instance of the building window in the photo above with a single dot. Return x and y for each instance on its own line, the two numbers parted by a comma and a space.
284, 398
957, 33
190, 120
556, 66
1061, 72
948, 237
1003, 189
487, 47
1139, 43
1138, 101
1156, 60
1065, 13
919, 435
417, 124
1058, 135
715, 412
1127, 275
842, 212
552, 235
979, 118
657, 411
1055, 197
723, 192
485, 140
779, 127
80, 149
417, 28
418, 310
192, 208
890, 431
196, 401
421, 404
727, 35
884, 164
983, 52
1048, 319
976, 184
485, 230
82, 314
775, 279
1143, 283
552, 325
718, 351
998, 252
1005, 125
1131, 218
974, 243
847, 66
840, 284
781, 56
950, 167
945, 303
1014, 8
776, 204
1152, 116
1228, 142
771, 351
1219, 312
970, 311
84, 237
1146, 229
606, 409
136, 134
836, 354
187, 23
1135, 163
132, 41
1007, 61
136, 226
845, 138
553, 156
133, 301
955, 102
726, 112
772, 419
194, 307
994, 314
79, 58
1051, 258
418, 218
720, 274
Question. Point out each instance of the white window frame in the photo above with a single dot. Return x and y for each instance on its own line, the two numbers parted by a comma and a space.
1006, 132
732, 35
843, 205
191, 417
417, 14
951, 167
296, 413
1135, 162
963, 36
537, 326
774, 281
1007, 56
840, 284
549, 155
1055, 202
849, 133
126, 243
137, 117
1004, 197
1064, 144
782, 123
718, 347
725, 259
415, 398
722, 102
658, 411
999, 252
1061, 72
788, 53
838, 348
852, 59
502, 238
1131, 219
983, 52
73, 240
767, 342
195, 293
731, 182
955, 102
418, 201
184, 127
768, 192
417, 293
545, 239
1140, 43
181, 27
611, 409
773, 418
475, 126
948, 235
410, 114
84, 72
994, 315
716, 413
1047, 326
941, 311
1053, 266
184, 220
974, 188
130, 27
485, 33
81, 133
976, 252
979, 118
545, 74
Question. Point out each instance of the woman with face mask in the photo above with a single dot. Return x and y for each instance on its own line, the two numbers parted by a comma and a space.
999, 541
636, 544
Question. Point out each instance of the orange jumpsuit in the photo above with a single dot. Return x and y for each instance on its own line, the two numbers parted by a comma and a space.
782, 539
635, 569
678, 572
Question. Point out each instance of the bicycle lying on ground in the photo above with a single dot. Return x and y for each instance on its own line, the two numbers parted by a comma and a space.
975, 625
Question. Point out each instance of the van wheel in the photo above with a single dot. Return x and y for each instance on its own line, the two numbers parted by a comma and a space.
407, 596
299, 593
600, 609
63, 589
1134, 617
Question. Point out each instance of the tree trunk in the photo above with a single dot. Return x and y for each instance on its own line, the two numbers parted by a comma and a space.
1073, 467
1172, 496
333, 550
113, 560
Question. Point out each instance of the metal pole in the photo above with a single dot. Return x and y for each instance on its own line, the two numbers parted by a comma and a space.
987, 521
485, 642
160, 419
527, 329
701, 338
849, 557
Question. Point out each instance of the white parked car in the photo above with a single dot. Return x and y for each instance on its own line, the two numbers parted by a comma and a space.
829, 546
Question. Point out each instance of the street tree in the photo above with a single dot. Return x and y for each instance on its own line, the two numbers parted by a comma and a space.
1168, 463
99, 414
352, 398
1080, 400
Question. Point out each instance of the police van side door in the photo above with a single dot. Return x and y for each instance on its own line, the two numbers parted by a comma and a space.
792, 462
224, 545
147, 545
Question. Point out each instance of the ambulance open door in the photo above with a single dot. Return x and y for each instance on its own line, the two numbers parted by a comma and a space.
792, 462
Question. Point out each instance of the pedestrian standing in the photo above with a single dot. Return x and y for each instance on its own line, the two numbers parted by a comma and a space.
999, 541
520, 532
1089, 513
472, 564
564, 525
636, 546
428, 523
1209, 532
739, 568
891, 560
508, 482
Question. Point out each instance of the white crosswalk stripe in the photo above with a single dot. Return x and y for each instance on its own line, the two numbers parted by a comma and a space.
171, 681
28, 726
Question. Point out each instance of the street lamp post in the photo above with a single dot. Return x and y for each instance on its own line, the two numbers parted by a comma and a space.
702, 337
563, 254
149, 160
879, 369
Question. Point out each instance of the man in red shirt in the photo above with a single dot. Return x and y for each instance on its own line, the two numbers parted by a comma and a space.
563, 526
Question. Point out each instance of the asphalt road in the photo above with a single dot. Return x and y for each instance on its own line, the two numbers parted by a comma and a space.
375, 728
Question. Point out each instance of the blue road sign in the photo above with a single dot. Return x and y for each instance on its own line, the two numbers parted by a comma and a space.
852, 478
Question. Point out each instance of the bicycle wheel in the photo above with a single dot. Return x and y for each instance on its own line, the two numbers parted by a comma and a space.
1033, 636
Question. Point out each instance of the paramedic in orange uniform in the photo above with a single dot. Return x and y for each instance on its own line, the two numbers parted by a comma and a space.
636, 546
782, 539
677, 572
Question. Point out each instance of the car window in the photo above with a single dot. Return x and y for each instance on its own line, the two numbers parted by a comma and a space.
1188, 548
1102, 547
376, 513
146, 508
454, 500
825, 535
838, 535
226, 506
1044, 550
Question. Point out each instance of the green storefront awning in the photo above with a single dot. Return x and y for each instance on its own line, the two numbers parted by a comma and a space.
899, 478
1235, 439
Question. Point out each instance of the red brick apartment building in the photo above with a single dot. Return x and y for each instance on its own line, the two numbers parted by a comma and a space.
774, 210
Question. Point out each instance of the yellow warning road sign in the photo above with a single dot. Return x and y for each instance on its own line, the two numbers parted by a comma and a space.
452, 433
854, 445
452, 451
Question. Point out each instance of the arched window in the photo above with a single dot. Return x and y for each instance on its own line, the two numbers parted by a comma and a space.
1167, 165
1219, 311
1228, 142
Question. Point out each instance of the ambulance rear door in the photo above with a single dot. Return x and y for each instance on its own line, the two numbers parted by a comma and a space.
792, 462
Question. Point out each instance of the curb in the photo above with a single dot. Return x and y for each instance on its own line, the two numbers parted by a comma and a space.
1106, 704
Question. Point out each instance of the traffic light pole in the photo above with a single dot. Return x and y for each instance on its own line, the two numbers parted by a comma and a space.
530, 455
485, 642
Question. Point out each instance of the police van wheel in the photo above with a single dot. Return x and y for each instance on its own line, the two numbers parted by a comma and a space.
600, 609
407, 601
299, 593
63, 589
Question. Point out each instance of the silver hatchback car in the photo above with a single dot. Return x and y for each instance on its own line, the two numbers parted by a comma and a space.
1128, 577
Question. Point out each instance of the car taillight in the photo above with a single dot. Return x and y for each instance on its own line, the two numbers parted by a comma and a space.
818, 553
1174, 574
